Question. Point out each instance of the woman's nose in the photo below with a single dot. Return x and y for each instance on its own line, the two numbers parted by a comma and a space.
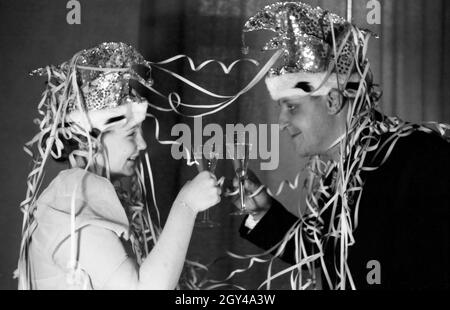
140, 142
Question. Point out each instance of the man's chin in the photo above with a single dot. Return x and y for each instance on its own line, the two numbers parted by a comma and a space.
304, 152
305, 155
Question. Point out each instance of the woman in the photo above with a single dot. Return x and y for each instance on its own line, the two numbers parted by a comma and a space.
78, 231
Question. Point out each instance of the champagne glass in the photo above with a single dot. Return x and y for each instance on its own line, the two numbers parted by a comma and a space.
207, 160
239, 152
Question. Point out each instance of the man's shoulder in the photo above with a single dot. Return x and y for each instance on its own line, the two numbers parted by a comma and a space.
420, 138
413, 162
417, 166
419, 146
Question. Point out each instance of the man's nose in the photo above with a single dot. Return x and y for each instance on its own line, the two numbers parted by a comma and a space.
283, 119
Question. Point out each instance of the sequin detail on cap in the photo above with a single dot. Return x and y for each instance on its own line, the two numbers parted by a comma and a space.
305, 35
102, 89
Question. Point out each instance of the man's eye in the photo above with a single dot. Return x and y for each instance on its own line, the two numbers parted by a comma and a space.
289, 106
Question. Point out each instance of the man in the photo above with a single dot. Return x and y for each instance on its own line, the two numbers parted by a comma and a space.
379, 195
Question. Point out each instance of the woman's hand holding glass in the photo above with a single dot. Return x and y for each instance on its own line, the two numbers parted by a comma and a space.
201, 193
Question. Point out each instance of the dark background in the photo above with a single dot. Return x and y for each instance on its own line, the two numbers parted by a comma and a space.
408, 61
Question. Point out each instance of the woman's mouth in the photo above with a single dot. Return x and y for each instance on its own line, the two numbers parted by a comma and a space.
133, 158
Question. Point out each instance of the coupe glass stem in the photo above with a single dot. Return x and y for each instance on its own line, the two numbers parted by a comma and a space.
242, 193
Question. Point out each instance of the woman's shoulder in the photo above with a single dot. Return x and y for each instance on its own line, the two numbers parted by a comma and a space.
85, 184
89, 193
79, 175
93, 198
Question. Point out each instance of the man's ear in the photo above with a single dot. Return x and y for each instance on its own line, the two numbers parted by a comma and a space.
335, 102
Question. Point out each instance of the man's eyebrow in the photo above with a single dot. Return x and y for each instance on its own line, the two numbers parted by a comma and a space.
305, 86
287, 101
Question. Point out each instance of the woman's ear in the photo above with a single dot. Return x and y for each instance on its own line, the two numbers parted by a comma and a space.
335, 102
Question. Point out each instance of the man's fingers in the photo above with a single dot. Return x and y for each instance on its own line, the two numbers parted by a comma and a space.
249, 204
251, 186
252, 176
235, 182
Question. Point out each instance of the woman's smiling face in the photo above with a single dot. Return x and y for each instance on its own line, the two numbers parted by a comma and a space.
122, 147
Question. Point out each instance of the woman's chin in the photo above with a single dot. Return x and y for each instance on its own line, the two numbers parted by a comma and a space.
129, 168
127, 171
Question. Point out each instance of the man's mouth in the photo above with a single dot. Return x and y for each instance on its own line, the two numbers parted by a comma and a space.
133, 158
294, 135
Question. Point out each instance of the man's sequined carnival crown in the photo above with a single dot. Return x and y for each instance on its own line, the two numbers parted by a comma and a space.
305, 35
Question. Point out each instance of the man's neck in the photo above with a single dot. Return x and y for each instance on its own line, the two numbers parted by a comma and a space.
333, 154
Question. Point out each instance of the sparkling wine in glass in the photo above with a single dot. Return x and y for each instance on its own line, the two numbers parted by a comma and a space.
240, 153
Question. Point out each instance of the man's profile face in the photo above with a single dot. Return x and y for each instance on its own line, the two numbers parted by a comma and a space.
307, 120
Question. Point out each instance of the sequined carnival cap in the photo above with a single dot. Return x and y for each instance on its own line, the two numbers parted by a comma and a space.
97, 92
308, 37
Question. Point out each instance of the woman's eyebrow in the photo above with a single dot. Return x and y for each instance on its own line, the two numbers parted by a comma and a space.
114, 119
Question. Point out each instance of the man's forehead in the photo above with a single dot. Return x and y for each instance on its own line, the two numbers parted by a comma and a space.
293, 99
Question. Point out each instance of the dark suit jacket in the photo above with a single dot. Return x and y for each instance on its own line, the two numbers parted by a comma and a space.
403, 219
